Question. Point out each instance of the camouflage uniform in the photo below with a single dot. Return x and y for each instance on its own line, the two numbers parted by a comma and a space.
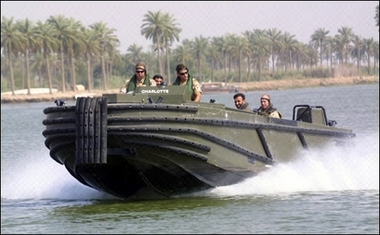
196, 87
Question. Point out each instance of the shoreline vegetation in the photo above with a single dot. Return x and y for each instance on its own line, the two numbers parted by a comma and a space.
64, 53
245, 86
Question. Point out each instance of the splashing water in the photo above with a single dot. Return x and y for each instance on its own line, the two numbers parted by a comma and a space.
351, 168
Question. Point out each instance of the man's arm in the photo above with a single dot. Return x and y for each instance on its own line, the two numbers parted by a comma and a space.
197, 97
197, 90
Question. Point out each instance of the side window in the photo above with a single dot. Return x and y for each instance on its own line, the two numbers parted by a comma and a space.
303, 115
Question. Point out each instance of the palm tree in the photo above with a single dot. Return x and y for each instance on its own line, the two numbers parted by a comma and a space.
287, 44
249, 37
357, 50
170, 33
182, 53
329, 50
135, 53
91, 49
318, 38
38, 64
241, 48
154, 27
74, 48
11, 42
301, 55
113, 57
47, 36
375, 57
230, 53
106, 39
260, 47
368, 49
308, 54
346, 34
339, 45
30, 42
274, 36
213, 55
198, 50
222, 45
66, 36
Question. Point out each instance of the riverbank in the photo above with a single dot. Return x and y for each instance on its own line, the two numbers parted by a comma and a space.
301, 83
246, 86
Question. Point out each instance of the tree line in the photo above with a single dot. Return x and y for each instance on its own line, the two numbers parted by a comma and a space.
61, 53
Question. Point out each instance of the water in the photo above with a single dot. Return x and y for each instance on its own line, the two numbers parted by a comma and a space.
329, 191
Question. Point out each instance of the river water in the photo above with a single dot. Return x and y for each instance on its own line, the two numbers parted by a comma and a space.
328, 191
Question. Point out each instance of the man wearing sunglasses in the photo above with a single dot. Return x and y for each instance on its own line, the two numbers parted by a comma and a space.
184, 79
139, 79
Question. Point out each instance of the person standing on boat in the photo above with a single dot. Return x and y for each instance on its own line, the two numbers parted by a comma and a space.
184, 79
241, 103
159, 80
267, 109
140, 79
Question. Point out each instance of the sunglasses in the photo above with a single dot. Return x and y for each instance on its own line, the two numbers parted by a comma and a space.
140, 71
182, 73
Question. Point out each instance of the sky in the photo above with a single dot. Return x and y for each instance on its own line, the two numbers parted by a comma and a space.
208, 18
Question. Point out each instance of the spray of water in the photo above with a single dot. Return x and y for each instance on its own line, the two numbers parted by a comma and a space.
39, 177
354, 167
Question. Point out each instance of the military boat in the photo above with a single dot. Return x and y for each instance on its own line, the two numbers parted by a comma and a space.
156, 142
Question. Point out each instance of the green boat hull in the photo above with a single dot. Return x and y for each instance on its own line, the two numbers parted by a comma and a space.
157, 143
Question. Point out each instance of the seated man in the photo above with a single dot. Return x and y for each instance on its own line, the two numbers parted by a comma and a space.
139, 79
159, 80
184, 79
241, 103
267, 108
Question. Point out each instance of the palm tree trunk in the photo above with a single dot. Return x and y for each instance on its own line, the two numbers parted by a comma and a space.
259, 68
240, 78
320, 52
11, 73
159, 56
27, 70
212, 70
199, 66
273, 57
168, 64
88, 61
249, 68
63, 71
369, 64
358, 61
73, 70
104, 73
110, 71
23, 78
48, 73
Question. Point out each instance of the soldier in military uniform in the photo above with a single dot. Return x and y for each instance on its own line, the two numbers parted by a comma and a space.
267, 108
141, 78
184, 79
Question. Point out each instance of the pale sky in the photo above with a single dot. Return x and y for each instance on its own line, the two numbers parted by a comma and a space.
209, 19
